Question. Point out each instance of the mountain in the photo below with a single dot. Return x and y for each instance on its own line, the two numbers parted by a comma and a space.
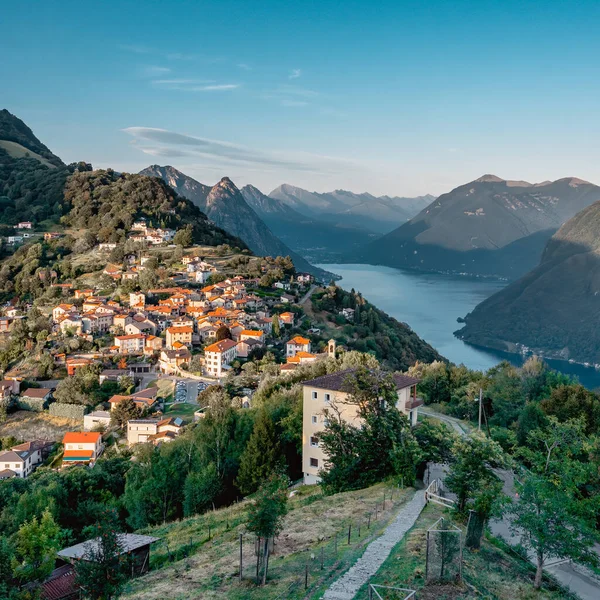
19, 141
489, 227
226, 207
314, 238
364, 211
554, 309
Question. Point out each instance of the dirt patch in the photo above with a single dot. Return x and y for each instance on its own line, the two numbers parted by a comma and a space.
28, 426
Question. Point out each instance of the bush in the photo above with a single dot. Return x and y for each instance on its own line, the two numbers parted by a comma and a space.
67, 411
32, 404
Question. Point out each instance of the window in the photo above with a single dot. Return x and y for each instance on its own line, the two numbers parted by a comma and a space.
314, 395
314, 462
327, 397
314, 442
315, 419
326, 422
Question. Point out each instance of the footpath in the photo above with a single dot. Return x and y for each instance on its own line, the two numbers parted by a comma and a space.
346, 587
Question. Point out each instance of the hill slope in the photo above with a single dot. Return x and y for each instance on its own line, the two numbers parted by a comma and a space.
313, 237
555, 308
225, 206
12, 129
487, 227
365, 211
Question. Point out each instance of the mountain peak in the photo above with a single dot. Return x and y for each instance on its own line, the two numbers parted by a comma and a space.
489, 178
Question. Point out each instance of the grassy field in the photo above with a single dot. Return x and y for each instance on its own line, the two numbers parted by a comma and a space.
183, 410
26, 425
490, 573
186, 564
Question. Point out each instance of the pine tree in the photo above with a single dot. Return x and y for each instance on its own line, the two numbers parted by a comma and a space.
261, 457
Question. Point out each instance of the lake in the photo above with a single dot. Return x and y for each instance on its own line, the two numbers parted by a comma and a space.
430, 303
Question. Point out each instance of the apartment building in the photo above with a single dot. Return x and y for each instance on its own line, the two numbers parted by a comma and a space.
320, 393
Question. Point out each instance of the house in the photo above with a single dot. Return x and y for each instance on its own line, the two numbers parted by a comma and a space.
304, 278
244, 347
113, 375
297, 344
281, 285
153, 344
130, 344
52, 235
183, 335
61, 310
347, 313
319, 394
8, 387
287, 299
43, 394
23, 459
301, 358
218, 356
144, 399
171, 361
15, 239
25, 225
252, 334
287, 318
82, 447
73, 364
96, 419
155, 431
5, 324
106, 246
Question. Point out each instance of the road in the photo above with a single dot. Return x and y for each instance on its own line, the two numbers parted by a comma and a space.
308, 294
576, 578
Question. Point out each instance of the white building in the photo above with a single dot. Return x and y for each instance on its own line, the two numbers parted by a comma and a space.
218, 356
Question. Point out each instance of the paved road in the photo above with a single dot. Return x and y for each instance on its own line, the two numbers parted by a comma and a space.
572, 576
308, 294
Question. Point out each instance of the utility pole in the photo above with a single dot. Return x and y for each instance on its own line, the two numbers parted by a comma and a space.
480, 399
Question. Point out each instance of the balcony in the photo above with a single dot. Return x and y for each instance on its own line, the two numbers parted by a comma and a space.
414, 402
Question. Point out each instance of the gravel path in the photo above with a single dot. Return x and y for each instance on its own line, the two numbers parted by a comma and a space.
377, 551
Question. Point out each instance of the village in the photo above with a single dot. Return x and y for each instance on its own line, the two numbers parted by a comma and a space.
155, 349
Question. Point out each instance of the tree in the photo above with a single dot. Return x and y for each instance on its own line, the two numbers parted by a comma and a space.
124, 411
6, 571
381, 446
201, 489
550, 514
102, 572
223, 333
275, 331
474, 457
184, 237
36, 544
265, 514
261, 457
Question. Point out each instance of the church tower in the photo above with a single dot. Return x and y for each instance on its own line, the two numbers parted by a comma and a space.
331, 348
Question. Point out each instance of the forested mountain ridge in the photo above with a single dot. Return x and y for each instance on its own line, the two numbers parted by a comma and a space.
489, 227
226, 206
555, 308
12, 129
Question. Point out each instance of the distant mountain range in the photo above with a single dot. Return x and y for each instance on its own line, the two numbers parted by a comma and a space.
555, 308
363, 211
226, 207
489, 227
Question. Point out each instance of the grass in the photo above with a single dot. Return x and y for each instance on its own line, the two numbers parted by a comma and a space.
183, 410
493, 572
209, 568
28, 426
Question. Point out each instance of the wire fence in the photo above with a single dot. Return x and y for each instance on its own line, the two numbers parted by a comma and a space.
293, 571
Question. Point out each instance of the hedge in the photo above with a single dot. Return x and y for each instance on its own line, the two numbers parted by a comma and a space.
33, 404
67, 411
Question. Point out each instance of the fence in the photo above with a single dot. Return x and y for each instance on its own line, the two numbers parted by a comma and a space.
384, 592
434, 493
443, 552
291, 573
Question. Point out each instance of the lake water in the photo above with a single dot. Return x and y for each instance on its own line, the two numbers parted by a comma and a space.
431, 303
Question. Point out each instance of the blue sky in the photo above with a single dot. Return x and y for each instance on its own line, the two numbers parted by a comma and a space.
400, 98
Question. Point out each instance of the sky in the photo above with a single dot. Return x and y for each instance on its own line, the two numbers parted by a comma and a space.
398, 98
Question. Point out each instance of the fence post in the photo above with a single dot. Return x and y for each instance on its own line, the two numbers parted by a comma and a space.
359, 529
241, 558
349, 532
306, 577
336, 543
322, 552
427, 559
383, 500
370, 592
369, 523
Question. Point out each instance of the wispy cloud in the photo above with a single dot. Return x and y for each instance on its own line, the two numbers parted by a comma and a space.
194, 85
244, 67
161, 142
180, 56
154, 70
295, 73
293, 90
136, 48
293, 103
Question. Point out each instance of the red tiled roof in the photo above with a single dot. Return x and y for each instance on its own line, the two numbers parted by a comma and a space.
81, 437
